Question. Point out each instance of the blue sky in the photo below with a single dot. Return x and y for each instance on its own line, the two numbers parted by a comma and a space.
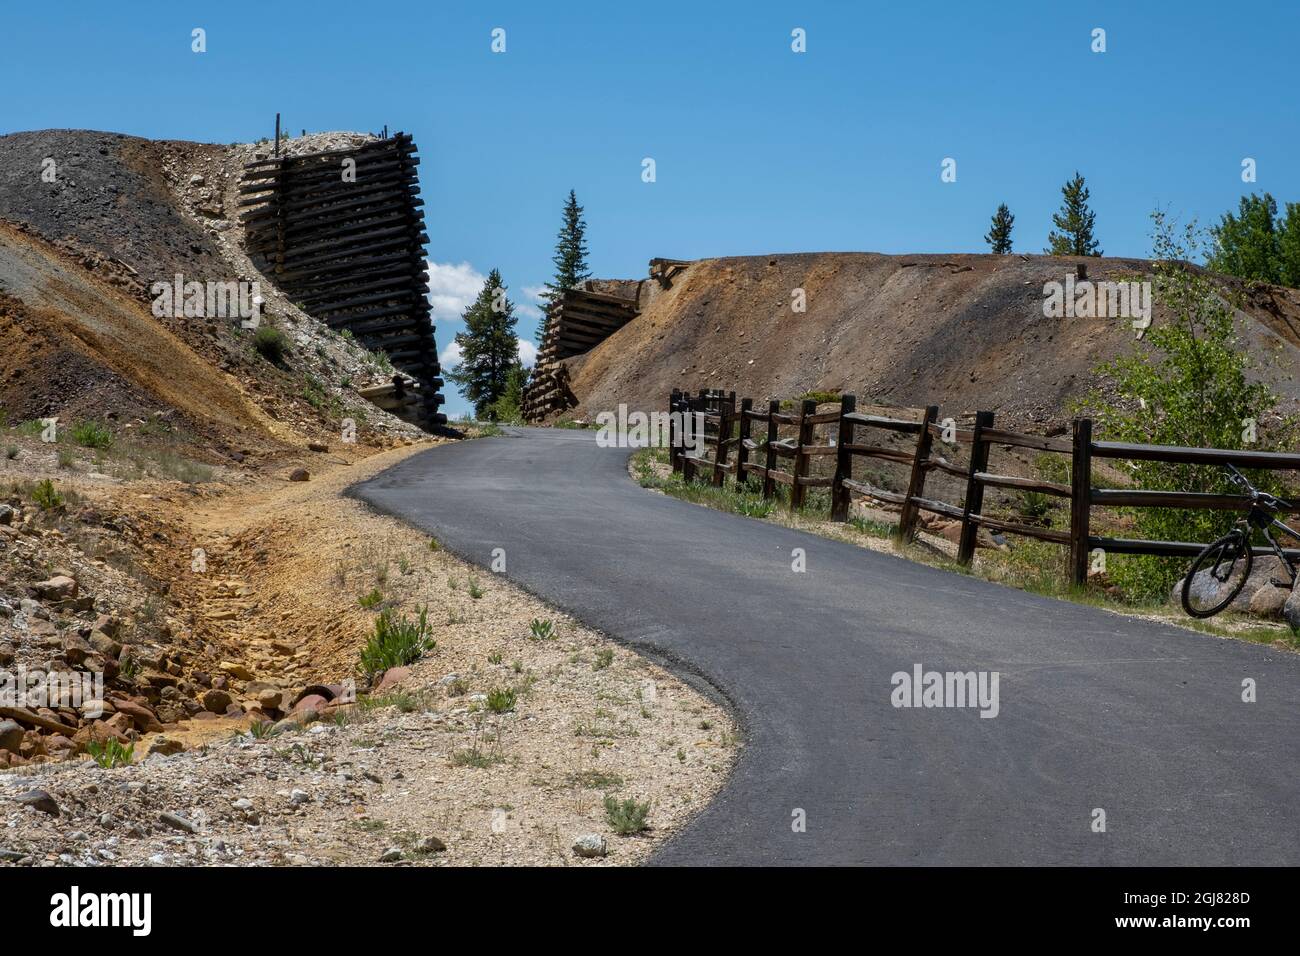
757, 149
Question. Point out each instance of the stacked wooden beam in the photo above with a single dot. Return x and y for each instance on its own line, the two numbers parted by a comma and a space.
581, 320
577, 322
547, 392
342, 232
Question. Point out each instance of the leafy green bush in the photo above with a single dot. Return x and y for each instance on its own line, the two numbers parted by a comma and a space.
396, 641
373, 599
626, 817
1187, 383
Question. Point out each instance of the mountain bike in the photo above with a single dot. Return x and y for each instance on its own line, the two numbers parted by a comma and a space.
1220, 571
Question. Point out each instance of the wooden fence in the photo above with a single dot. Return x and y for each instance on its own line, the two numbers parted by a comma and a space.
730, 427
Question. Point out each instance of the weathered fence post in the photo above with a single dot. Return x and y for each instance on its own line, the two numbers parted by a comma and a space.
726, 417
916, 481
799, 492
843, 460
974, 502
742, 452
769, 483
697, 435
1080, 500
674, 430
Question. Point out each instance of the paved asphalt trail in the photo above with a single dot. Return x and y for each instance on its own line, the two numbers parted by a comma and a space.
1096, 710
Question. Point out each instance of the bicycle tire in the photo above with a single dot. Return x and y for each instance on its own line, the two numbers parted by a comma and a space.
1213, 553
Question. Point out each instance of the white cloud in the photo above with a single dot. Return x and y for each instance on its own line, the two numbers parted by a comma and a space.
450, 356
452, 288
531, 304
527, 353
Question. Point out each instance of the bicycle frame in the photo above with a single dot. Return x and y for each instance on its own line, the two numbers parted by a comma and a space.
1265, 522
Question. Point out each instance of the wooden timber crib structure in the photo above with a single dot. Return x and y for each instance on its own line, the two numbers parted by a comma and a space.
730, 427
577, 321
349, 250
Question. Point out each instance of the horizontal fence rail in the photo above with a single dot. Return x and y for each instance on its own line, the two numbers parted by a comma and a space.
760, 452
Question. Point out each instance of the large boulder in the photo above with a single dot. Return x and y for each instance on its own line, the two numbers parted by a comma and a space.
1263, 571
58, 588
11, 736
1291, 609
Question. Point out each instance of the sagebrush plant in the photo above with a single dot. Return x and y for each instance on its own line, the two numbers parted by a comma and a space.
628, 816
1187, 383
111, 753
397, 641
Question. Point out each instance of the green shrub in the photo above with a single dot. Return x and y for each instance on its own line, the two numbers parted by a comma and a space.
92, 434
1188, 382
396, 642
541, 630
373, 599
501, 700
270, 343
626, 817
47, 496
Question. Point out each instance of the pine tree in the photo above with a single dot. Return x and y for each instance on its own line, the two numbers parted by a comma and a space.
999, 235
489, 348
1075, 220
570, 259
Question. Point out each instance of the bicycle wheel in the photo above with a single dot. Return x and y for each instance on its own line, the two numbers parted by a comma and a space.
1217, 575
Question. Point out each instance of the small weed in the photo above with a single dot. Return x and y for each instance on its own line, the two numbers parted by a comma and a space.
626, 817
541, 630
501, 700
475, 591
396, 642
47, 496
604, 657
111, 753
92, 434
371, 600
595, 780
262, 729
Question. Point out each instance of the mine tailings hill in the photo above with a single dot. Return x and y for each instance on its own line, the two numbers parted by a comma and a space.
966, 332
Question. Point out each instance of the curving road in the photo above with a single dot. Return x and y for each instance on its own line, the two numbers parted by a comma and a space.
1143, 721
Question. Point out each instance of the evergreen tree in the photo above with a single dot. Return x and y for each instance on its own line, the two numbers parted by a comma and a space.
1075, 220
1247, 244
489, 348
570, 259
999, 235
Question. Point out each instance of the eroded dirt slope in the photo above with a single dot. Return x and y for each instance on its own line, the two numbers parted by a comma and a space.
964, 331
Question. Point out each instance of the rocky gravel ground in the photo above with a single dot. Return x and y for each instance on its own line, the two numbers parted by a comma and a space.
248, 744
